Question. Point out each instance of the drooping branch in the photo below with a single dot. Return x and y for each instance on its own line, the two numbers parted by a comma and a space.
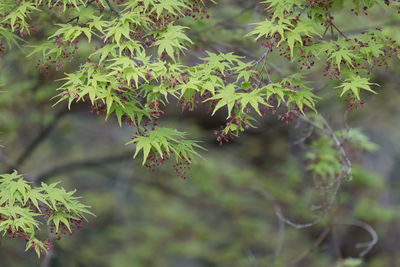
11, 10
112, 9
314, 246
82, 164
43, 134
368, 228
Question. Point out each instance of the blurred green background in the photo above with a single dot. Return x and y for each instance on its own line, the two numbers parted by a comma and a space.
222, 214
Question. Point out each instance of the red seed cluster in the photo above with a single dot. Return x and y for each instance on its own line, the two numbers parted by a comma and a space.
226, 134
18, 232
68, 50
154, 160
181, 167
353, 102
63, 229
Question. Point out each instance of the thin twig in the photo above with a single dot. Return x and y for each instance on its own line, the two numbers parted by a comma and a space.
11, 10
305, 136
339, 31
316, 244
82, 164
71, 20
326, 29
251, 258
263, 66
261, 58
37, 141
279, 213
281, 238
374, 236
339, 145
112, 9
335, 240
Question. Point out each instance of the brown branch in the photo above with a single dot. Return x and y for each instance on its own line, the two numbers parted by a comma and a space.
326, 30
264, 56
338, 30
71, 20
281, 238
374, 236
316, 244
82, 164
279, 213
335, 240
44, 133
11, 10
112, 9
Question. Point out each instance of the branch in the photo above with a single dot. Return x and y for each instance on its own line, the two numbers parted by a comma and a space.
339, 145
367, 245
37, 141
112, 9
264, 56
71, 20
281, 238
279, 214
338, 30
82, 164
327, 129
335, 240
11, 10
317, 242
251, 258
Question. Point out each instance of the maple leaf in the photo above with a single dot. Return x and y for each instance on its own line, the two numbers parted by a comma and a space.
354, 84
172, 39
343, 54
171, 6
254, 98
165, 139
227, 97
293, 36
268, 28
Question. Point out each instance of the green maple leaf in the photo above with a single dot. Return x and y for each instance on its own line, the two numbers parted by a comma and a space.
219, 62
170, 6
193, 84
244, 70
268, 28
343, 54
171, 40
227, 97
165, 139
302, 97
281, 7
105, 51
275, 89
254, 98
355, 84
293, 36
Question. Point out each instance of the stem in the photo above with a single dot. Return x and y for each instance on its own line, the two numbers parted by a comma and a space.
335, 241
339, 31
316, 244
11, 10
112, 9
37, 141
